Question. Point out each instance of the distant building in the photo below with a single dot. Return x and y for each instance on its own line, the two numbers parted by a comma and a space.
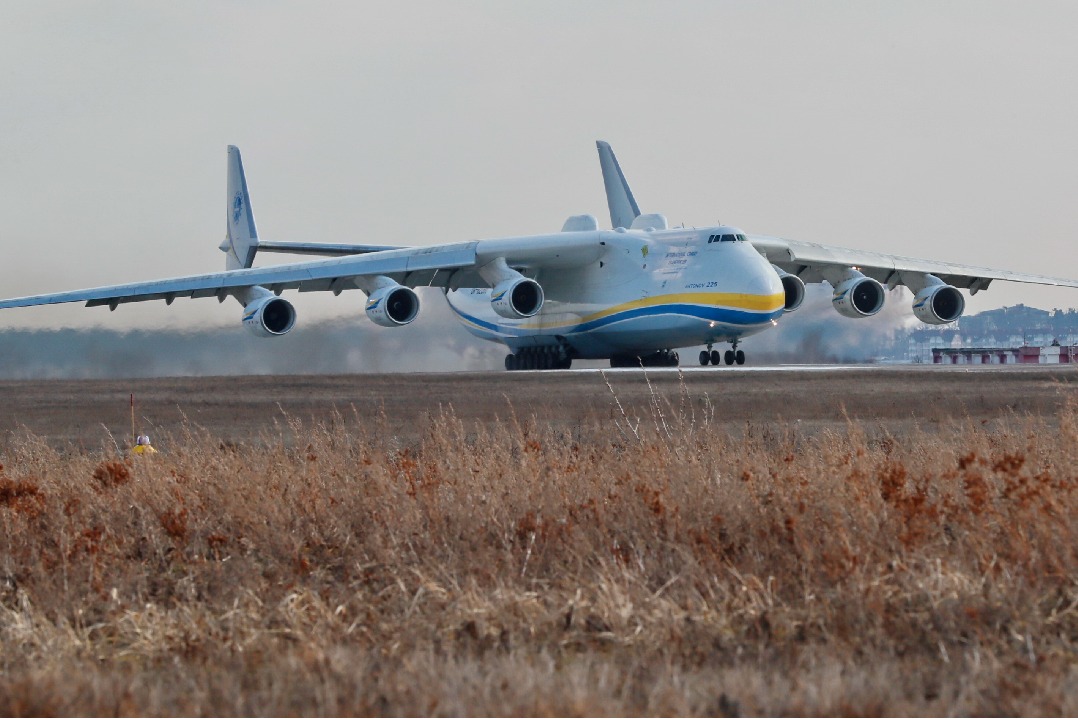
1001, 335
1052, 354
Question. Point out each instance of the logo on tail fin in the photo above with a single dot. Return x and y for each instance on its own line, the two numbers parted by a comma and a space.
237, 207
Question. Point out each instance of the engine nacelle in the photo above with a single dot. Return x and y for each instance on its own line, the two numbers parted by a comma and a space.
269, 317
393, 306
858, 297
517, 298
794, 288
938, 304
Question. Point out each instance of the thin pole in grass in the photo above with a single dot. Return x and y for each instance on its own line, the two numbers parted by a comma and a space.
531, 544
621, 409
108, 433
656, 408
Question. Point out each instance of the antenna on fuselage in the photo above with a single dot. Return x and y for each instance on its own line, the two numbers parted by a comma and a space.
619, 198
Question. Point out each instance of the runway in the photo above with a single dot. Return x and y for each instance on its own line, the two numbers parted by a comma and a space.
90, 413
710, 370
599, 366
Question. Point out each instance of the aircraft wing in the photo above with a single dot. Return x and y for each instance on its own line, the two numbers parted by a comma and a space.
809, 261
450, 265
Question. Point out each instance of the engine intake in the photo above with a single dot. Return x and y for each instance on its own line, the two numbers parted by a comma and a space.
269, 317
517, 298
858, 297
938, 304
794, 288
392, 306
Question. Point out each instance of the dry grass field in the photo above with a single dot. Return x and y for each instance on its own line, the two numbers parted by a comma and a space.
858, 542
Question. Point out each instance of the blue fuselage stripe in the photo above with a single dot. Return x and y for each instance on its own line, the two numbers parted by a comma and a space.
699, 312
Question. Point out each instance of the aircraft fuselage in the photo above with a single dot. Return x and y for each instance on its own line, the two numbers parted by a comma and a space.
647, 291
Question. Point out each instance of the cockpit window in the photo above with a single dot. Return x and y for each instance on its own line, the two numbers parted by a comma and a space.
726, 238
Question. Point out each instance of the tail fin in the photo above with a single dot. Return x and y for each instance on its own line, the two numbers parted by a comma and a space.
623, 207
241, 237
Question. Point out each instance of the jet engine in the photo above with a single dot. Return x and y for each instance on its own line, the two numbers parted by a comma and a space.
517, 298
269, 316
938, 304
794, 288
392, 306
858, 296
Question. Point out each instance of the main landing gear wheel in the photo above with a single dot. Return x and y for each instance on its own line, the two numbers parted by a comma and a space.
662, 358
739, 357
538, 358
729, 357
710, 356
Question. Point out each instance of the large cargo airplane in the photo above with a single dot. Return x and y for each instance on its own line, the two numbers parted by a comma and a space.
633, 294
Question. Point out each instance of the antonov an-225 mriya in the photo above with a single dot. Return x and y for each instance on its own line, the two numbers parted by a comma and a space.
633, 294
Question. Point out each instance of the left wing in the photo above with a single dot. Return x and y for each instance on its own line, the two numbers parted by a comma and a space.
451, 265
813, 262
379, 270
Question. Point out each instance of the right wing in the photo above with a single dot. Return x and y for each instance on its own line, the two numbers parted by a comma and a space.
451, 265
812, 262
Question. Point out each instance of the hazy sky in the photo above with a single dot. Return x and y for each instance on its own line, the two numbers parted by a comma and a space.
939, 130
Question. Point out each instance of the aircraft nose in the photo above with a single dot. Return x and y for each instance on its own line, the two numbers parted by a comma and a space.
763, 281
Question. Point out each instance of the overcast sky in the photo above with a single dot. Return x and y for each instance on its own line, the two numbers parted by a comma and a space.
939, 130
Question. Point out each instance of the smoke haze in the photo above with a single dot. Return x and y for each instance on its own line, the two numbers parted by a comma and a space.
435, 342
816, 334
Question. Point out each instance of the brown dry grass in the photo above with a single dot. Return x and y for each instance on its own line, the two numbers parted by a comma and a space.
660, 563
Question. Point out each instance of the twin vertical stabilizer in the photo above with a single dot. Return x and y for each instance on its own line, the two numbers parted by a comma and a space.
623, 207
241, 236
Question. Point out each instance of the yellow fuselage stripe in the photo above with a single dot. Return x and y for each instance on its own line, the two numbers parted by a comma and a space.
741, 301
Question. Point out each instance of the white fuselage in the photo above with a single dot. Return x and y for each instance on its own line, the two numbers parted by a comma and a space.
647, 291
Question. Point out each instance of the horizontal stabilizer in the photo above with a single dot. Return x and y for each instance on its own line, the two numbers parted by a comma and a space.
325, 249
